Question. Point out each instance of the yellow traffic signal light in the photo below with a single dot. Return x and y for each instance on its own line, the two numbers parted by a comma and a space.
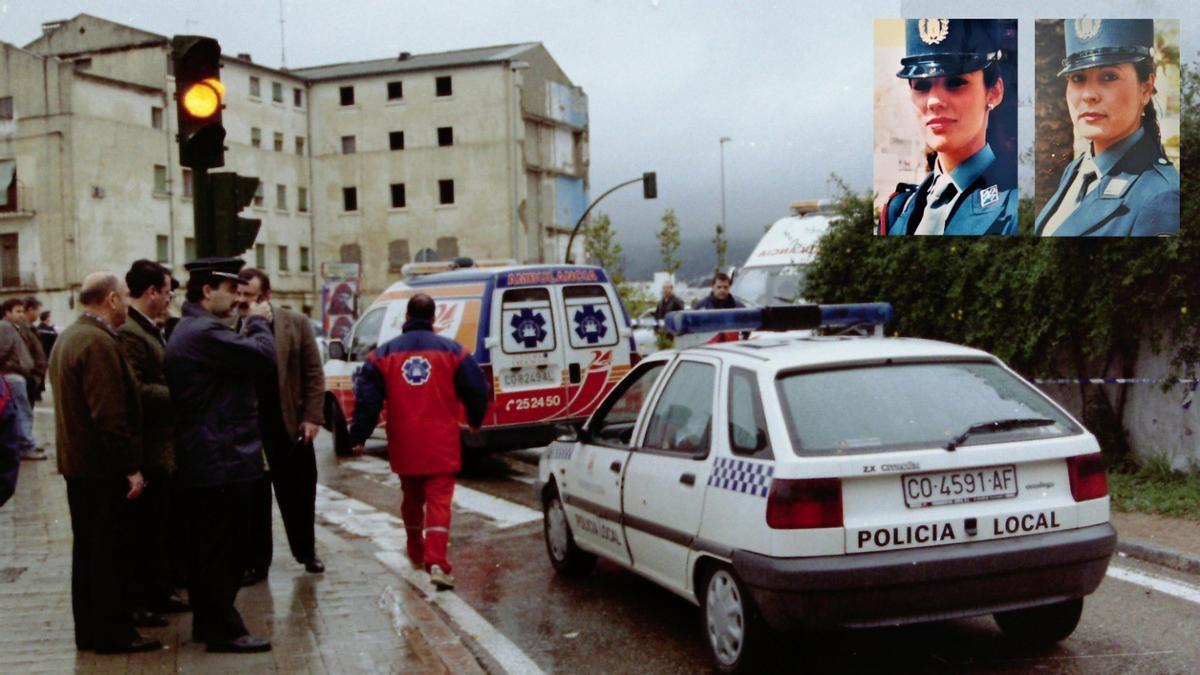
203, 99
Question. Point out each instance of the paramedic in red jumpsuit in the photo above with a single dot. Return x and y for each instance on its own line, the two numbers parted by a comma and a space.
431, 386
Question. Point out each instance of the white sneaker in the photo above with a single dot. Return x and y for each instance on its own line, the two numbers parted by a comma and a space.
441, 580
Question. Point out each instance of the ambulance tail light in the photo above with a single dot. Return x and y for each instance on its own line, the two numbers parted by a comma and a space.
807, 503
1088, 479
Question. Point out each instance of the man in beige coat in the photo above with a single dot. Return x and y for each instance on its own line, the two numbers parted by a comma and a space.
291, 411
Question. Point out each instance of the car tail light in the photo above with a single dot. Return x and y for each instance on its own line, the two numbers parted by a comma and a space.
487, 377
1088, 479
804, 503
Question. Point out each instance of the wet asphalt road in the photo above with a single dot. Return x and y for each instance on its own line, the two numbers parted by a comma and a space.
615, 621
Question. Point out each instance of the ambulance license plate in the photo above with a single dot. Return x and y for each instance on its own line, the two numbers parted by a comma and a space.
956, 487
525, 376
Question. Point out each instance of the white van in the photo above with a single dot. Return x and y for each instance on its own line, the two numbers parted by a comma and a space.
776, 269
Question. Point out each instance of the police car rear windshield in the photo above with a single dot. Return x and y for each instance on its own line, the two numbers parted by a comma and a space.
909, 406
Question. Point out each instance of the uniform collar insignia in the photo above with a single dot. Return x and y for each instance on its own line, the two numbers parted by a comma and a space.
1116, 187
989, 195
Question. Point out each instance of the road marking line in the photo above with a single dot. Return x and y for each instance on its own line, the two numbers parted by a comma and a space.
503, 513
387, 533
1171, 587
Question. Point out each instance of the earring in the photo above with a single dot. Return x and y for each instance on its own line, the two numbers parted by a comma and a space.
991, 107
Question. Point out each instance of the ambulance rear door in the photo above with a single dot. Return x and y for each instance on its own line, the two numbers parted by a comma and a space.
526, 350
596, 344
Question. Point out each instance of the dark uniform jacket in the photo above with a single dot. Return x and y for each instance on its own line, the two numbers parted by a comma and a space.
988, 205
710, 301
211, 371
98, 413
1138, 197
10, 449
145, 349
431, 386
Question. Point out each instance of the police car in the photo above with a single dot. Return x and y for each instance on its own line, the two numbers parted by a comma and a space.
845, 481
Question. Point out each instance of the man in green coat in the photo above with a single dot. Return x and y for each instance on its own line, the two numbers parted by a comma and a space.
97, 418
145, 348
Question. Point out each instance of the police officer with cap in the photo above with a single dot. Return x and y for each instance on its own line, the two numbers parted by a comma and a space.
1123, 184
211, 371
952, 69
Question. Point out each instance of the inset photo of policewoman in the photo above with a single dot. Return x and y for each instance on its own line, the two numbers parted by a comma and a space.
946, 126
1106, 149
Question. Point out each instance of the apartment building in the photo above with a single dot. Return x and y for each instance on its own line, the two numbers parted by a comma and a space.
479, 152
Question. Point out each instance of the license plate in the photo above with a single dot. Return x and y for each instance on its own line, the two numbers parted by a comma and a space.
956, 487
531, 376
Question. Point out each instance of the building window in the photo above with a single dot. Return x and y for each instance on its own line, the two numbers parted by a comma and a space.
398, 195
445, 191
256, 137
162, 248
395, 90
160, 179
189, 248
445, 136
283, 259
156, 117
305, 265
396, 140
348, 145
302, 200
447, 248
255, 87
187, 183
298, 97
10, 263
278, 141
351, 253
260, 256
443, 86
397, 254
347, 95
277, 92
349, 199
6, 107
281, 197
300, 145
258, 195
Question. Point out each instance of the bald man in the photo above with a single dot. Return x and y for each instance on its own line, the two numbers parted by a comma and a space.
97, 414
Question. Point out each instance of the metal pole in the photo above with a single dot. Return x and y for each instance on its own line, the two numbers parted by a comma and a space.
724, 140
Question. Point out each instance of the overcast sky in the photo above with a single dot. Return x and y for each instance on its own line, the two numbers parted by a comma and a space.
789, 81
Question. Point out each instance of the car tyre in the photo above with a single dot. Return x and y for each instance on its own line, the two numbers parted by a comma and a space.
1042, 625
566, 557
733, 630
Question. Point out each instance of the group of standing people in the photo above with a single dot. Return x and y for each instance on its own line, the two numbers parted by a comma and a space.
165, 445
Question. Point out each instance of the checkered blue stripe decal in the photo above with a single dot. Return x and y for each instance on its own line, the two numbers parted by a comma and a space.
560, 450
739, 475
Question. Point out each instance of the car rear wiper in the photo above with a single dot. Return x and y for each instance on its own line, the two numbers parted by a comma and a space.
998, 425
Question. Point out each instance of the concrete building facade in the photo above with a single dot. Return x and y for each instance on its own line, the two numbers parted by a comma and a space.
479, 153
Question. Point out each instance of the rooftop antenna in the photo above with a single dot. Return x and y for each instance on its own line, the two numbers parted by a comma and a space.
282, 45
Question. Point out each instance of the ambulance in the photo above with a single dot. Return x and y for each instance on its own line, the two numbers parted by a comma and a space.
775, 271
552, 340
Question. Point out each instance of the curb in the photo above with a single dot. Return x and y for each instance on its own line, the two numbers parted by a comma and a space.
1159, 555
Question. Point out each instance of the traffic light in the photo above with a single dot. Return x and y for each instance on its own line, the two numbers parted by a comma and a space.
649, 185
230, 194
199, 98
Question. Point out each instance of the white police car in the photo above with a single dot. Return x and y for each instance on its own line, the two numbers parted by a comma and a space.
798, 481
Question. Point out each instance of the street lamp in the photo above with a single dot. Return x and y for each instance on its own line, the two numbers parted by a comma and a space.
724, 140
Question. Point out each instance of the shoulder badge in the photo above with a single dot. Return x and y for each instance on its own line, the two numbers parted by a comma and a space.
1086, 29
989, 195
934, 31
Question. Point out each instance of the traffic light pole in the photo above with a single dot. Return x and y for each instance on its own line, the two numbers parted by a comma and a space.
204, 223
650, 191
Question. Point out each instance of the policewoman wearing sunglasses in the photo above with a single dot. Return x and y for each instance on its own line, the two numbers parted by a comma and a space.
1123, 185
953, 73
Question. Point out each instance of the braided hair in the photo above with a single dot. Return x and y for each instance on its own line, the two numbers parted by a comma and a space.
1145, 68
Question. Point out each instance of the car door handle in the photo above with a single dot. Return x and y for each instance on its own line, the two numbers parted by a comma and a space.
615, 467
688, 479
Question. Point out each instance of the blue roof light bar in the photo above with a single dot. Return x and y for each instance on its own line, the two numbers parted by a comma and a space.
778, 318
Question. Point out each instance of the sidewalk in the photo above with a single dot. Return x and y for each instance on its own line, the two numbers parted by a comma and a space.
357, 617
1172, 542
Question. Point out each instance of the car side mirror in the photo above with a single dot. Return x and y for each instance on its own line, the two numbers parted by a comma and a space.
567, 433
337, 350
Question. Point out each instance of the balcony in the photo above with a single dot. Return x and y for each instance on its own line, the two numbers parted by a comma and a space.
20, 199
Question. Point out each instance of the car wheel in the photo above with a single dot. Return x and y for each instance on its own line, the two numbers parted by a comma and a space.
567, 559
1043, 625
732, 628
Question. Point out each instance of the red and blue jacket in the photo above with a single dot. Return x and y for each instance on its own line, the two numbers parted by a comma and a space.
431, 386
10, 445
